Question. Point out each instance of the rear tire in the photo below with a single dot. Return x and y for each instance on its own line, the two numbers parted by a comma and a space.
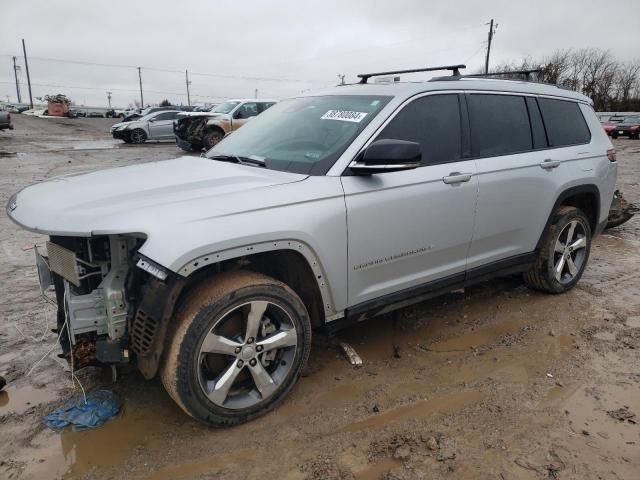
236, 348
563, 254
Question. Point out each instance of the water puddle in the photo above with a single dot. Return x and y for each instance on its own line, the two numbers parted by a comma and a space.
19, 400
419, 410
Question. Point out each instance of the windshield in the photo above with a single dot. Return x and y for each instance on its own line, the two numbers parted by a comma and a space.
225, 107
302, 135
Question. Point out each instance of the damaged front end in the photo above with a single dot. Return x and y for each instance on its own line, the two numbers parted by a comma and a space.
100, 283
189, 132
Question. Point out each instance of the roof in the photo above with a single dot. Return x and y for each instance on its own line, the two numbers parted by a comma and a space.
409, 89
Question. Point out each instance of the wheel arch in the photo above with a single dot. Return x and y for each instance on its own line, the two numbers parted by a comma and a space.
290, 261
585, 197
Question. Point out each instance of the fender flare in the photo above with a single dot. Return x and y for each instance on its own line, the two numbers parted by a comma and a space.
570, 192
287, 244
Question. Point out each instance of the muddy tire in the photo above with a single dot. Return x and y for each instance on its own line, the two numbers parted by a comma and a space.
138, 136
563, 254
236, 348
212, 137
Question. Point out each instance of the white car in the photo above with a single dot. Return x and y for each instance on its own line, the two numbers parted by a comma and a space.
154, 126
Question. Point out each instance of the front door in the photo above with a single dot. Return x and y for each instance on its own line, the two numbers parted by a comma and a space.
161, 126
243, 114
413, 227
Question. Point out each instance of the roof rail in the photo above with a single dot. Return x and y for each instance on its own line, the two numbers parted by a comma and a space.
526, 73
454, 68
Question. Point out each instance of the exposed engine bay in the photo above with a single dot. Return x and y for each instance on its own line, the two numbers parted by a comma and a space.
91, 278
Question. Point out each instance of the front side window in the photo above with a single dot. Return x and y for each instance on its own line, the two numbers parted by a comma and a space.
433, 122
166, 116
499, 124
246, 110
564, 122
302, 135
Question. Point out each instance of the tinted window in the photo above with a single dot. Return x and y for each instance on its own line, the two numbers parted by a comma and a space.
499, 124
433, 122
166, 116
564, 122
247, 110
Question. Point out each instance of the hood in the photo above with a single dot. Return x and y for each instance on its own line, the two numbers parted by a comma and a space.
132, 199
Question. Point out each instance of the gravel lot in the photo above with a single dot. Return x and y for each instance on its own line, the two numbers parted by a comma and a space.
493, 382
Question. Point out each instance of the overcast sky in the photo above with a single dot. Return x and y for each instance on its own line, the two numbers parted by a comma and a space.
281, 47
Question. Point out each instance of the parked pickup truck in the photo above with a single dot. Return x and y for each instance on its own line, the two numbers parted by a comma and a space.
329, 208
196, 131
5, 121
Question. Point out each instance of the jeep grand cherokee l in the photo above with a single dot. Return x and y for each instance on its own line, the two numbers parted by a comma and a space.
326, 209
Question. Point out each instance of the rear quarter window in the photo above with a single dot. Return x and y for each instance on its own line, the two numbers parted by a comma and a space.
564, 122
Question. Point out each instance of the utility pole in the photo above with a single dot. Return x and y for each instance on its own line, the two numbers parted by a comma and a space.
255, 93
186, 77
141, 97
26, 66
109, 99
15, 73
491, 34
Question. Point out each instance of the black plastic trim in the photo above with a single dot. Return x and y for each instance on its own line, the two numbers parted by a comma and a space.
420, 293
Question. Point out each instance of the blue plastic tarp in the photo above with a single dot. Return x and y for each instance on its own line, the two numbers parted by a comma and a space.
101, 405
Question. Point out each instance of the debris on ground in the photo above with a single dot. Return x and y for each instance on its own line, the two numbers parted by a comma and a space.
84, 413
351, 354
623, 414
621, 210
3, 382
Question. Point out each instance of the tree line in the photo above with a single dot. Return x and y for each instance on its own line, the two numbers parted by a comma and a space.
614, 86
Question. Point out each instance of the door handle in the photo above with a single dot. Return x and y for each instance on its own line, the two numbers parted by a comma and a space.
549, 164
457, 177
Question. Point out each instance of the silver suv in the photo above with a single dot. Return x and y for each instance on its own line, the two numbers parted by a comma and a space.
328, 208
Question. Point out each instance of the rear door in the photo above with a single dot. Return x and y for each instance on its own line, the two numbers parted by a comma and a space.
519, 174
410, 228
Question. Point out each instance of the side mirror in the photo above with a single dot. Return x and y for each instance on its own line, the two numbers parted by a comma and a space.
388, 155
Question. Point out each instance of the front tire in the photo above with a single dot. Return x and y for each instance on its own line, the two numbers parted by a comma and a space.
236, 349
212, 137
563, 254
138, 136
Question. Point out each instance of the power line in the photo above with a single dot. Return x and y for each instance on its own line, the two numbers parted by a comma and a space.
128, 90
166, 70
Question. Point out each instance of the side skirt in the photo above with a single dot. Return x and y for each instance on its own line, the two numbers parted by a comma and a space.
420, 293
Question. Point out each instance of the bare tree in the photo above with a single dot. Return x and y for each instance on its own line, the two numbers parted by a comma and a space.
627, 78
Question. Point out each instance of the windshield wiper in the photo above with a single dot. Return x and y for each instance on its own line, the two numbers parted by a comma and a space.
254, 162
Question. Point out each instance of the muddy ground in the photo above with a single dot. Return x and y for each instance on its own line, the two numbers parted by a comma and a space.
494, 382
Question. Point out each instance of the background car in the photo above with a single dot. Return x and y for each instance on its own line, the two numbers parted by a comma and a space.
5, 121
629, 127
202, 130
153, 126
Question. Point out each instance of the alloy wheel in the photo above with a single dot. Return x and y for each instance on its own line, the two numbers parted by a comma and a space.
570, 252
247, 354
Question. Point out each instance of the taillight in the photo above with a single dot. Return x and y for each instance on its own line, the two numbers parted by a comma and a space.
611, 154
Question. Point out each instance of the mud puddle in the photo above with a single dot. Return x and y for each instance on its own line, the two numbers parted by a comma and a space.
18, 400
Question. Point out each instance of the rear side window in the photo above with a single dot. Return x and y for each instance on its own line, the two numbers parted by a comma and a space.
499, 124
432, 121
564, 122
